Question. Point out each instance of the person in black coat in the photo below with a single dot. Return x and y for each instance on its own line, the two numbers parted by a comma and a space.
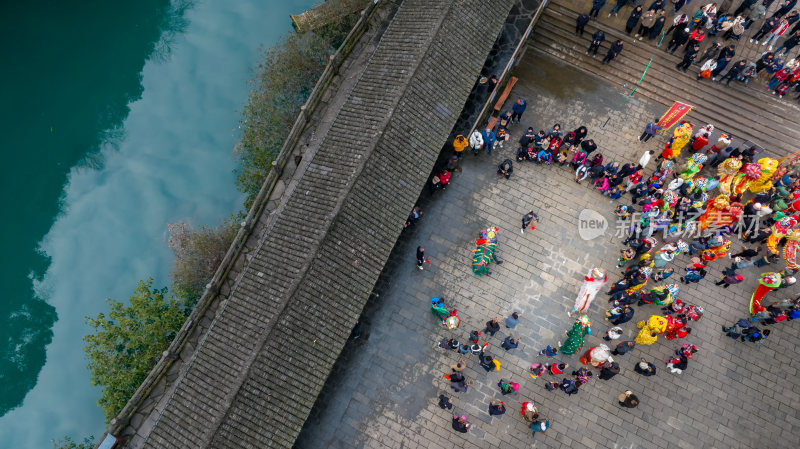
609, 370
588, 146
688, 58
580, 23
679, 37
597, 38
645, 368
613, 52
460, 424
633, 19
658, 26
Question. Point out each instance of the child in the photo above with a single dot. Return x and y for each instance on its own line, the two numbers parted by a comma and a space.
563, 154
549, 351
557, 369
625, 256
473, 336
508, 387
686, 350
537, 369
693, 276
614, 193
663, 274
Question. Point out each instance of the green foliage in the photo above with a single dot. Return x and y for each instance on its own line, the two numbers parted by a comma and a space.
198, 253
128, 342
283, 81
69, 443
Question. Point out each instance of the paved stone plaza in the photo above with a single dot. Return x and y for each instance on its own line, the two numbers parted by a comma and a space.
384, 390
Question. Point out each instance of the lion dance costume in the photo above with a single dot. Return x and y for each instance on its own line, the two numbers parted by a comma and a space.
654, 325
576, 335
483, 254
767, 283
592, 284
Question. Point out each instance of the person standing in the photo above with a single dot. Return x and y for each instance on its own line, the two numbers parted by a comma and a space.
512, 320
496, 408
633, 19
420, 257
510, 343
730, 279
580, 24
628, 399
609, 370
655, 30
722, 63
476, 141
615, 10
597, 5
788, 44
597, 38
776, 33
518, 109
679, 37
624, 348
613, 52
492, 326
733, 72
768, 26
527, 219
459, 144
489, 139
757, 11
646, 25
688, 58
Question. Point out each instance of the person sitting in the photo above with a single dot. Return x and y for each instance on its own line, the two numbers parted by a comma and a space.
505, 168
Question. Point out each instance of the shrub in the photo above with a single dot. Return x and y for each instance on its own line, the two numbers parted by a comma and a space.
198, 253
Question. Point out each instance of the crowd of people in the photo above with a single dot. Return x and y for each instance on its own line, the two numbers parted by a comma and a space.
687, 32
723, 192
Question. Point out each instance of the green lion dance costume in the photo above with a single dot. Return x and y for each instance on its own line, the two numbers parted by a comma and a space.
577, 335
483, 254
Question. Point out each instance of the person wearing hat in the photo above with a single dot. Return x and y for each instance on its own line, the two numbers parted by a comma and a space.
517, 109
628, 399
460, 423
529, 412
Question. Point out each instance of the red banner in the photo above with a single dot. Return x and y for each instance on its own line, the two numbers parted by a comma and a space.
674, 115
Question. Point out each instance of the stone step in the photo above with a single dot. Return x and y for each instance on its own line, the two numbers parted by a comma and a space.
565, 19
746, 112
736, 116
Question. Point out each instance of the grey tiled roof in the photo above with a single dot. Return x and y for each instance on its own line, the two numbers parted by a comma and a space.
259, 368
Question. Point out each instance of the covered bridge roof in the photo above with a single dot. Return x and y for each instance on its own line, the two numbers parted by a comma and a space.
257, 371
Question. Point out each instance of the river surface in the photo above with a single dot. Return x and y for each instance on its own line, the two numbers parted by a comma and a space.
117, 118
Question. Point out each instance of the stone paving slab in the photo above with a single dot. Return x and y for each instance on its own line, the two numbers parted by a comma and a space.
383, 392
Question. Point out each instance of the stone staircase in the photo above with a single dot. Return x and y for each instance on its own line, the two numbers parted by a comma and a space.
749, 113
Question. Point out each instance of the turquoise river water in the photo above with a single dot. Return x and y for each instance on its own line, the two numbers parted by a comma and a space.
117, 118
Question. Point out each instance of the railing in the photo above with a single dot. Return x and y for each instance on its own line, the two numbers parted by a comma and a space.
260, 202
503, 79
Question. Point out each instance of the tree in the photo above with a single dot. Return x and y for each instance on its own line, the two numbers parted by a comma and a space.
126, 344
283, 81
69, 443
198, 254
